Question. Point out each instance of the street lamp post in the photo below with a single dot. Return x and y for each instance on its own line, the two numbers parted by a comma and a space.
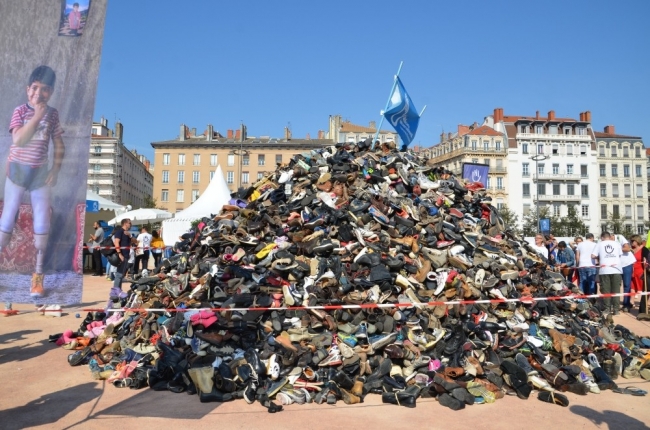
240, 152
537, 158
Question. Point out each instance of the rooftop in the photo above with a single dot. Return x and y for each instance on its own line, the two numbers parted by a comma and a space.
484, 130
348, 127
613, 136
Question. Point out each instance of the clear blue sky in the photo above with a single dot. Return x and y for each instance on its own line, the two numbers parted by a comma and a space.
272, 63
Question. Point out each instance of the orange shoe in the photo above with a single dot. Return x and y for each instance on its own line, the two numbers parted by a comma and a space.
37, 285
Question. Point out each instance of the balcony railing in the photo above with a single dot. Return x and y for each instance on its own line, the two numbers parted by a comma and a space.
534, 136
555, 198
558, 176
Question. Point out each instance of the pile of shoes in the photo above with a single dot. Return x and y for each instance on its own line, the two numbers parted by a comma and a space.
332, 278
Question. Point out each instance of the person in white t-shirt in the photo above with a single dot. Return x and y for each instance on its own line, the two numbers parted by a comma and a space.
539, 246
144, 244
627, 262
609, 252
586, 264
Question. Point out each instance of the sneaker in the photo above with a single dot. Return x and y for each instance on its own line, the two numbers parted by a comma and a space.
362, 332
37, 285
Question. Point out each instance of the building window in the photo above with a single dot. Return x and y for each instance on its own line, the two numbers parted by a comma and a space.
181, 159
473, 145
486, 161
638, 172
615, 211
603, 170
499, 183
524, 169
180, 196
601, 151
195, 176
626, 170
195, 195
487, 183
570, 190
555, 150
231, 159
260, 175
98, 149
585, 211
603, 211
556, 189
539, 129
196, 161
603, 190
526, 190
164, 196
540, 148
614, 190
524, 148
614, 169
541, 189
583, 170
260, 159
569, 149
584, 190
230, 177
614, 154
639, 211
498, 145
627, 190
639, 190
626, 152
640, 229
213, 159
486, 146
556, 169
540, 169
499, 165
97, 167
165, 176
569, 169
181, 176
583, 150
278, 158
245, 160
637, 152
211, 175
526, 209
244, 177
628, 211
166, 158
556, 210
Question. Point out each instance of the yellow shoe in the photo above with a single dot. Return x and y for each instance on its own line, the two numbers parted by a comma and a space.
265, 251
37, 285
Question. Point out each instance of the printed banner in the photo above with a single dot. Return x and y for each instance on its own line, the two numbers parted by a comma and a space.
475, 172
48, 80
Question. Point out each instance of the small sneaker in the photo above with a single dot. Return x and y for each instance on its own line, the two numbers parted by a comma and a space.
362, 332
37, 285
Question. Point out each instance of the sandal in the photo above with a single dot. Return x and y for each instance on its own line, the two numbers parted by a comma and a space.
551, 397
630, 390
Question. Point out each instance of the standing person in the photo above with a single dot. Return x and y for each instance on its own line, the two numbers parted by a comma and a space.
122, 243
636, 286
586, 266
96, 239
609, 252
566, 260
539, 246
628, 260
32, 126
157, 247
74, 19
144, 246
551, 245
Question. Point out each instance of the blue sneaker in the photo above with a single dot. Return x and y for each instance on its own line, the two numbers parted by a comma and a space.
362, 332
349, 339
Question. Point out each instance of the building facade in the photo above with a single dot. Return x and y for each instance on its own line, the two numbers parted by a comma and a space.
622, 180
341, 130
185, 165
115, 172
475, 144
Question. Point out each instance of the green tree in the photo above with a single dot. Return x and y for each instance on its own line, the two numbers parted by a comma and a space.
150, 202
614, 223
531, 221
569, 225
510, 219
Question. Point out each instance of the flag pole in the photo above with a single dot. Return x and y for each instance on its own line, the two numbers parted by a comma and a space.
381, 121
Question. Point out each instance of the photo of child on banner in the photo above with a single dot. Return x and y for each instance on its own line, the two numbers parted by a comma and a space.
48, 89
73, 17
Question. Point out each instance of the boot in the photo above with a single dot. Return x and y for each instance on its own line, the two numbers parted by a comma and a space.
401, 398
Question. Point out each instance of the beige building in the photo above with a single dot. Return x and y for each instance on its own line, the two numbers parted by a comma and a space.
475, 144
185, 166
341, 130
115, 172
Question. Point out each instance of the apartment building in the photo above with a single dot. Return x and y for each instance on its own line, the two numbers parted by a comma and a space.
622, 179
114, 171
341, 130
475, 144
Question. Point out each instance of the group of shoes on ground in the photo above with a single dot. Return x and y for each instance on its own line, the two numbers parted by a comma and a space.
351, 225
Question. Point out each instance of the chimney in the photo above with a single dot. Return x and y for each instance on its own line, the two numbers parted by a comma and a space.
193, 131
463, 129
609, 129
242, 135
537, 115
237, 134
372, 125
287, 133
449, 135
119, 131
181, 135
308, 137
147, 164
321, 134
230, 134
551, 115
209, 133
442, 137
495, 116
582, 116
588, 116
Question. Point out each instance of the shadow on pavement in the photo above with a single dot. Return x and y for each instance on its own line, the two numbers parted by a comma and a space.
160, 404
11, 351
49, 408
613, 419
17, 335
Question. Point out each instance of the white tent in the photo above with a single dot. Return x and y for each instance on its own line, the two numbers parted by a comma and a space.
107, 210
211, 201
104, 203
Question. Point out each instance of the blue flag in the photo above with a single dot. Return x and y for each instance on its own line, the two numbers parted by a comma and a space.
402, 114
